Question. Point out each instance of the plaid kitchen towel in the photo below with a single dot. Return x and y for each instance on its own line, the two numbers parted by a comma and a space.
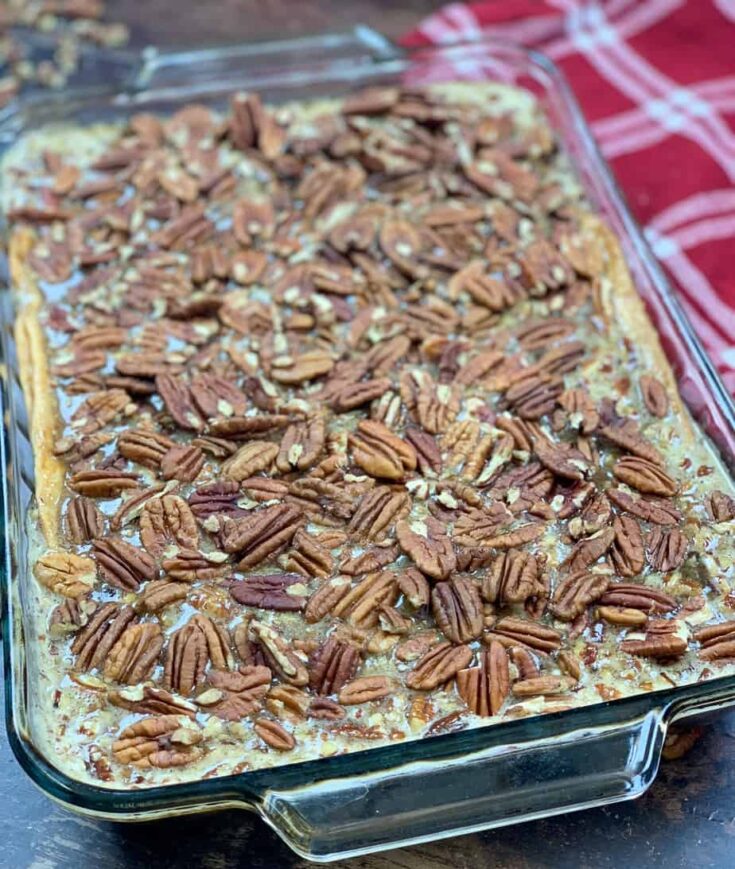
656, 80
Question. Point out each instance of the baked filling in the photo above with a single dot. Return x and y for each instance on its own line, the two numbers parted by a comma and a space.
349, 428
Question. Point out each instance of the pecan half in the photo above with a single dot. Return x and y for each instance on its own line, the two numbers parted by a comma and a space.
666, 549
144, 447
233, 696
249, 460
71, 615
650, 510
159, 594
665, 645
575, 592
512, 578
122, 564
176, 395
332, 666
654, 395
260, 534
379, 452
84, 521
278, 655
65, 573
274, 734
523, 632
166, 521
360, 606
162, 742
634, 596
438, 665
366, 689
485, 688
627, 554
413, 586
326, 598
377, 512
643, 475
301, 445
270, 592
92, 644
189, 566
716, 641
457, 609
190, 650
149, 700
215, 498
590, 550
428, 545
134, 655
107, 483
183, 462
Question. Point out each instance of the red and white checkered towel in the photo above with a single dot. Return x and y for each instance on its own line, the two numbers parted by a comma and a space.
656, 80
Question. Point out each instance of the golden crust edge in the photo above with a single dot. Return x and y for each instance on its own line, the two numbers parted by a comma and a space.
40, 395
622, 304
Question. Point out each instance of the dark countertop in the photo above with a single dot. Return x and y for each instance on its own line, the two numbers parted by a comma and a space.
686, 819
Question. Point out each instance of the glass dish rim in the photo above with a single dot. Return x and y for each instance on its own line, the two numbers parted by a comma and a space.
145, 801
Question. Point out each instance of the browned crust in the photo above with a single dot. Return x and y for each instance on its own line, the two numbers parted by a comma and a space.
39, 392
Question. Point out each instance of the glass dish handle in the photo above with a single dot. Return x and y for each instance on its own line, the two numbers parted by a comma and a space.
462, 793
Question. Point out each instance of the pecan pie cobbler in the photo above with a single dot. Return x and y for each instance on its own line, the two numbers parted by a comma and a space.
349, 428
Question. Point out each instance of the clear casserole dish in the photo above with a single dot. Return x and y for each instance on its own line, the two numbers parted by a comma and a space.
419, 790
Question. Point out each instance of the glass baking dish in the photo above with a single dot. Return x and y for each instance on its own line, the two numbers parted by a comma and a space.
421, 790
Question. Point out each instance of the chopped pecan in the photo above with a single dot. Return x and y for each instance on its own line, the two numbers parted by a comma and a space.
512, 578
301, 445
135, 654
190, 650
65, 573
485, 688
457, 609
162, 741
428, 545
666, 549
440, 664
428, 455
122, 564
654, 396
278, 591
260, 534
167, 521
575, 592
721, 507
183, 462
377, 512
627, 554
379, 452
332, 666
84, 521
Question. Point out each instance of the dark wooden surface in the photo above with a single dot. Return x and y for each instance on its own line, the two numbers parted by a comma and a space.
686, 820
